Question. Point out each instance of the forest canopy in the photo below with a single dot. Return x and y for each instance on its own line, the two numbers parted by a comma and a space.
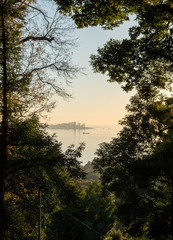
136, 166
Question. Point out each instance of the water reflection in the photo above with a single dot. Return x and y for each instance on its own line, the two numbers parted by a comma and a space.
91, 137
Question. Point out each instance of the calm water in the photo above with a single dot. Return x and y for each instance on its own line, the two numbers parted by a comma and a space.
92, 140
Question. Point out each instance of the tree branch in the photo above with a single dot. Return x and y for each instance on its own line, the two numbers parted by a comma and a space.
42, 38
54, 66
40, 11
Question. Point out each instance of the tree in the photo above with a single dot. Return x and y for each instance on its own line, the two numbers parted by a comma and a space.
91, 175
6, 45
114, 235
142, 185
25, 49
144, 63
150, 41
110, 14
140, 180
89, 215
36, 162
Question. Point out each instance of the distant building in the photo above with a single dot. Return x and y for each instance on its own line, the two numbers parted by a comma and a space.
70, 125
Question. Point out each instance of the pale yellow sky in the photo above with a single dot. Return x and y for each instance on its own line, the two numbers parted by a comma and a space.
95, 101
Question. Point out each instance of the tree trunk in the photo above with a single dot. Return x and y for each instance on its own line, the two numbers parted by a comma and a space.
4, 124
172, 211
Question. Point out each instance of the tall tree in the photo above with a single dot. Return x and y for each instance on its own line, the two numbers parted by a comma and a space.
9, 37
129, 156
129, 165
30, 48
36, 162
140, 180
144, 201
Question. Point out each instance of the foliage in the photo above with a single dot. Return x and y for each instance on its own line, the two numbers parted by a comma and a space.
109, 14
143, 62
131, 61
90, 216
35, 67
36, 162
144, 201
114, 235
142, 152
9, 56
91, 175
34, 54
129, 165
149, 49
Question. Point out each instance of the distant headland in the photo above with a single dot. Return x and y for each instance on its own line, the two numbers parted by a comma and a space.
70, 125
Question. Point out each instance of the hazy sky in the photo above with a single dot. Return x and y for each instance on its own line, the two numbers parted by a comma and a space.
95, 101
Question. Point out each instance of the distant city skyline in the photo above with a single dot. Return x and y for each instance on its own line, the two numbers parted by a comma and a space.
95, 101
68, 125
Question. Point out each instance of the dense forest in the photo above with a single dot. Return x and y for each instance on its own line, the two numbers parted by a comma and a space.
126, 192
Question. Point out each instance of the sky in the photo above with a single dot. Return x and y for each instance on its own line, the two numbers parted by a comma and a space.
95, 102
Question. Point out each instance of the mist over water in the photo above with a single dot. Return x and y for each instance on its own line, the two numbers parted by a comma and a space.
91, 137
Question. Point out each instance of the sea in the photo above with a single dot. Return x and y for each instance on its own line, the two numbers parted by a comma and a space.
91, 137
